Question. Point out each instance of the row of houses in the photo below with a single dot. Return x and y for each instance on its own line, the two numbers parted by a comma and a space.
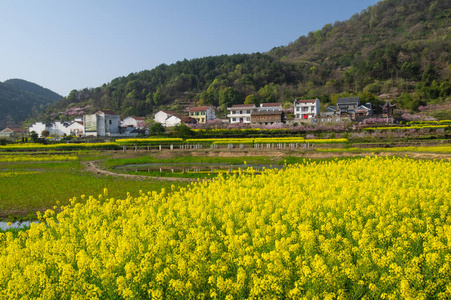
269, 113
108, 123
101, 123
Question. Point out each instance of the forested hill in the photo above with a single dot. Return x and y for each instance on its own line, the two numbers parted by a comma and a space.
20, 99
399, 48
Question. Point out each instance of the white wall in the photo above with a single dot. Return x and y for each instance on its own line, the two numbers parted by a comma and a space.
161, 117
37, 127
172, 121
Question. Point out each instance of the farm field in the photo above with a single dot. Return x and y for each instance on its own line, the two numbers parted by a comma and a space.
31, 182
372, 227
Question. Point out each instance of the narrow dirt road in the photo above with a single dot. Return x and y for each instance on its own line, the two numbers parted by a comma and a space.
93, 167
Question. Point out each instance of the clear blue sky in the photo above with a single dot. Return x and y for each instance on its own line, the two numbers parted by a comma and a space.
64, 45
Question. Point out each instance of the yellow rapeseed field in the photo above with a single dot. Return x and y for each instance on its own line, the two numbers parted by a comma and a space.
371, 228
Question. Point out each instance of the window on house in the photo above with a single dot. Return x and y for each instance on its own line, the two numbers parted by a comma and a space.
297, 108
202, 113
110, 122
248, 111
233, 119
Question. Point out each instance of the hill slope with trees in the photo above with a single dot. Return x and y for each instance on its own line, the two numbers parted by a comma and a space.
397, 50
20, 99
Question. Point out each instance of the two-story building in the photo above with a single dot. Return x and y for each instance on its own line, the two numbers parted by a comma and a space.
267, 117
241, 113
306, 109
102, 123
75, 128
348, 106
202, 114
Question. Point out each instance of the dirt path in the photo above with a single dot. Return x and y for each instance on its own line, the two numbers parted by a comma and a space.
93, 167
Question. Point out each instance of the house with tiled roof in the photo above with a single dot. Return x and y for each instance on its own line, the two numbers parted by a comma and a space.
75, 128
137, 122
241, 113
13, 133
306, 109
348, 105
202, 114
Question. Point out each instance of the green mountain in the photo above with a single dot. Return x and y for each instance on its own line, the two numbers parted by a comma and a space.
20, 99
33, 88
397, 50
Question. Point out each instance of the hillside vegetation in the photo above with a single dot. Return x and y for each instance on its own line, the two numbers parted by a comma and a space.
20, 99
397, 49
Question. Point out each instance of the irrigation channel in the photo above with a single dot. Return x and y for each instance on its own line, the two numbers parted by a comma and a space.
183, 168
17, 224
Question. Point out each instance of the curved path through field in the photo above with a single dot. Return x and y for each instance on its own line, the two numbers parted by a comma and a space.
93, 167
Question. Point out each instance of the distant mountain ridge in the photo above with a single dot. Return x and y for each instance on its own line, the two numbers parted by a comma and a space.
397, 48
34, 88
21, 99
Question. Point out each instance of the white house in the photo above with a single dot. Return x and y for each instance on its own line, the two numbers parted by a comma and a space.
58, 128
39, 127
102, 123
168, 119
162, 116
306, 109
241, 113
75, 128
137, 122
202, 114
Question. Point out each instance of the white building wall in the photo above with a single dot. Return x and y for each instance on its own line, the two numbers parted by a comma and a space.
172, 121
37, 127
75, 129
240, 114
161, 117
129, 121
58, 129
309, 109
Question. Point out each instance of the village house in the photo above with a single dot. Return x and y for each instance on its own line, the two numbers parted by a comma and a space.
136, 122
13, 133
241, 113
364, 110
168, 119
267, 117
306, 109
39, 127
202, 114
75, 128
102, 123
348, 106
